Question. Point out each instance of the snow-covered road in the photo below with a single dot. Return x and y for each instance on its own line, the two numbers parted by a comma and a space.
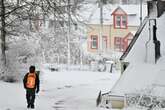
69, 90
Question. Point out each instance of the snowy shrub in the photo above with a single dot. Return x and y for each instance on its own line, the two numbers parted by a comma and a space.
147, 98
20, 56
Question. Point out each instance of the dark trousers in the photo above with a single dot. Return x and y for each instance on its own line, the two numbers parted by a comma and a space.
30, 97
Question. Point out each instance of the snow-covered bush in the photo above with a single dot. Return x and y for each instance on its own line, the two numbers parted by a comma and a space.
148, 98
20, 55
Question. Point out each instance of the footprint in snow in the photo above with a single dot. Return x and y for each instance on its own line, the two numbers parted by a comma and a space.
59, 102
68, 86
59, 105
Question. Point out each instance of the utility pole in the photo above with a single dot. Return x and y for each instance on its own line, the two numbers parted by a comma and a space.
101, 27
68, 33
141, 11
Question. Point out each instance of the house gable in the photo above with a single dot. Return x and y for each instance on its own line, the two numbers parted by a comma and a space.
119, 11
120, 18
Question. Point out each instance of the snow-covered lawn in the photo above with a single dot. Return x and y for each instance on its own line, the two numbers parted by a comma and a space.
67, 90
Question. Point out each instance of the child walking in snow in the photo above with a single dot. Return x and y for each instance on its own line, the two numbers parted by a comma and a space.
31, 84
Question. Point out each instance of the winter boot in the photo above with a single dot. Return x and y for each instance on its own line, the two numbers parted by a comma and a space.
32, 106
28, 106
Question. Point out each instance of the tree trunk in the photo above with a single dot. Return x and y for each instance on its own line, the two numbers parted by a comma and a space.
18, 3
30, 23
3, 34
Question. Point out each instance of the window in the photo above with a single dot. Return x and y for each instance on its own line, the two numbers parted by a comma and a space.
124, 22
118, 20
121, 21
119, 44
94, 42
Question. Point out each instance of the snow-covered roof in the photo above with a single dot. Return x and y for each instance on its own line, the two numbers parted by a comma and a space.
90, 13
143, 73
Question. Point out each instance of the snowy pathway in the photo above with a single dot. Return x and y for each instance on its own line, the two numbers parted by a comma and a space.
73, 90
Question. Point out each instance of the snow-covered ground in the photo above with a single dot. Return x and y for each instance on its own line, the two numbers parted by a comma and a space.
67, 90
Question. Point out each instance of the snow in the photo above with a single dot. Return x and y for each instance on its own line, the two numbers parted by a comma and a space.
143, 72
64, 90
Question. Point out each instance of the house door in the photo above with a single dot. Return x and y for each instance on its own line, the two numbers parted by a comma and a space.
104, 42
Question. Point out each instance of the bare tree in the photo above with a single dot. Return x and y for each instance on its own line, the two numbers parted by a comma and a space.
7, 19
20, 16
3, 33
